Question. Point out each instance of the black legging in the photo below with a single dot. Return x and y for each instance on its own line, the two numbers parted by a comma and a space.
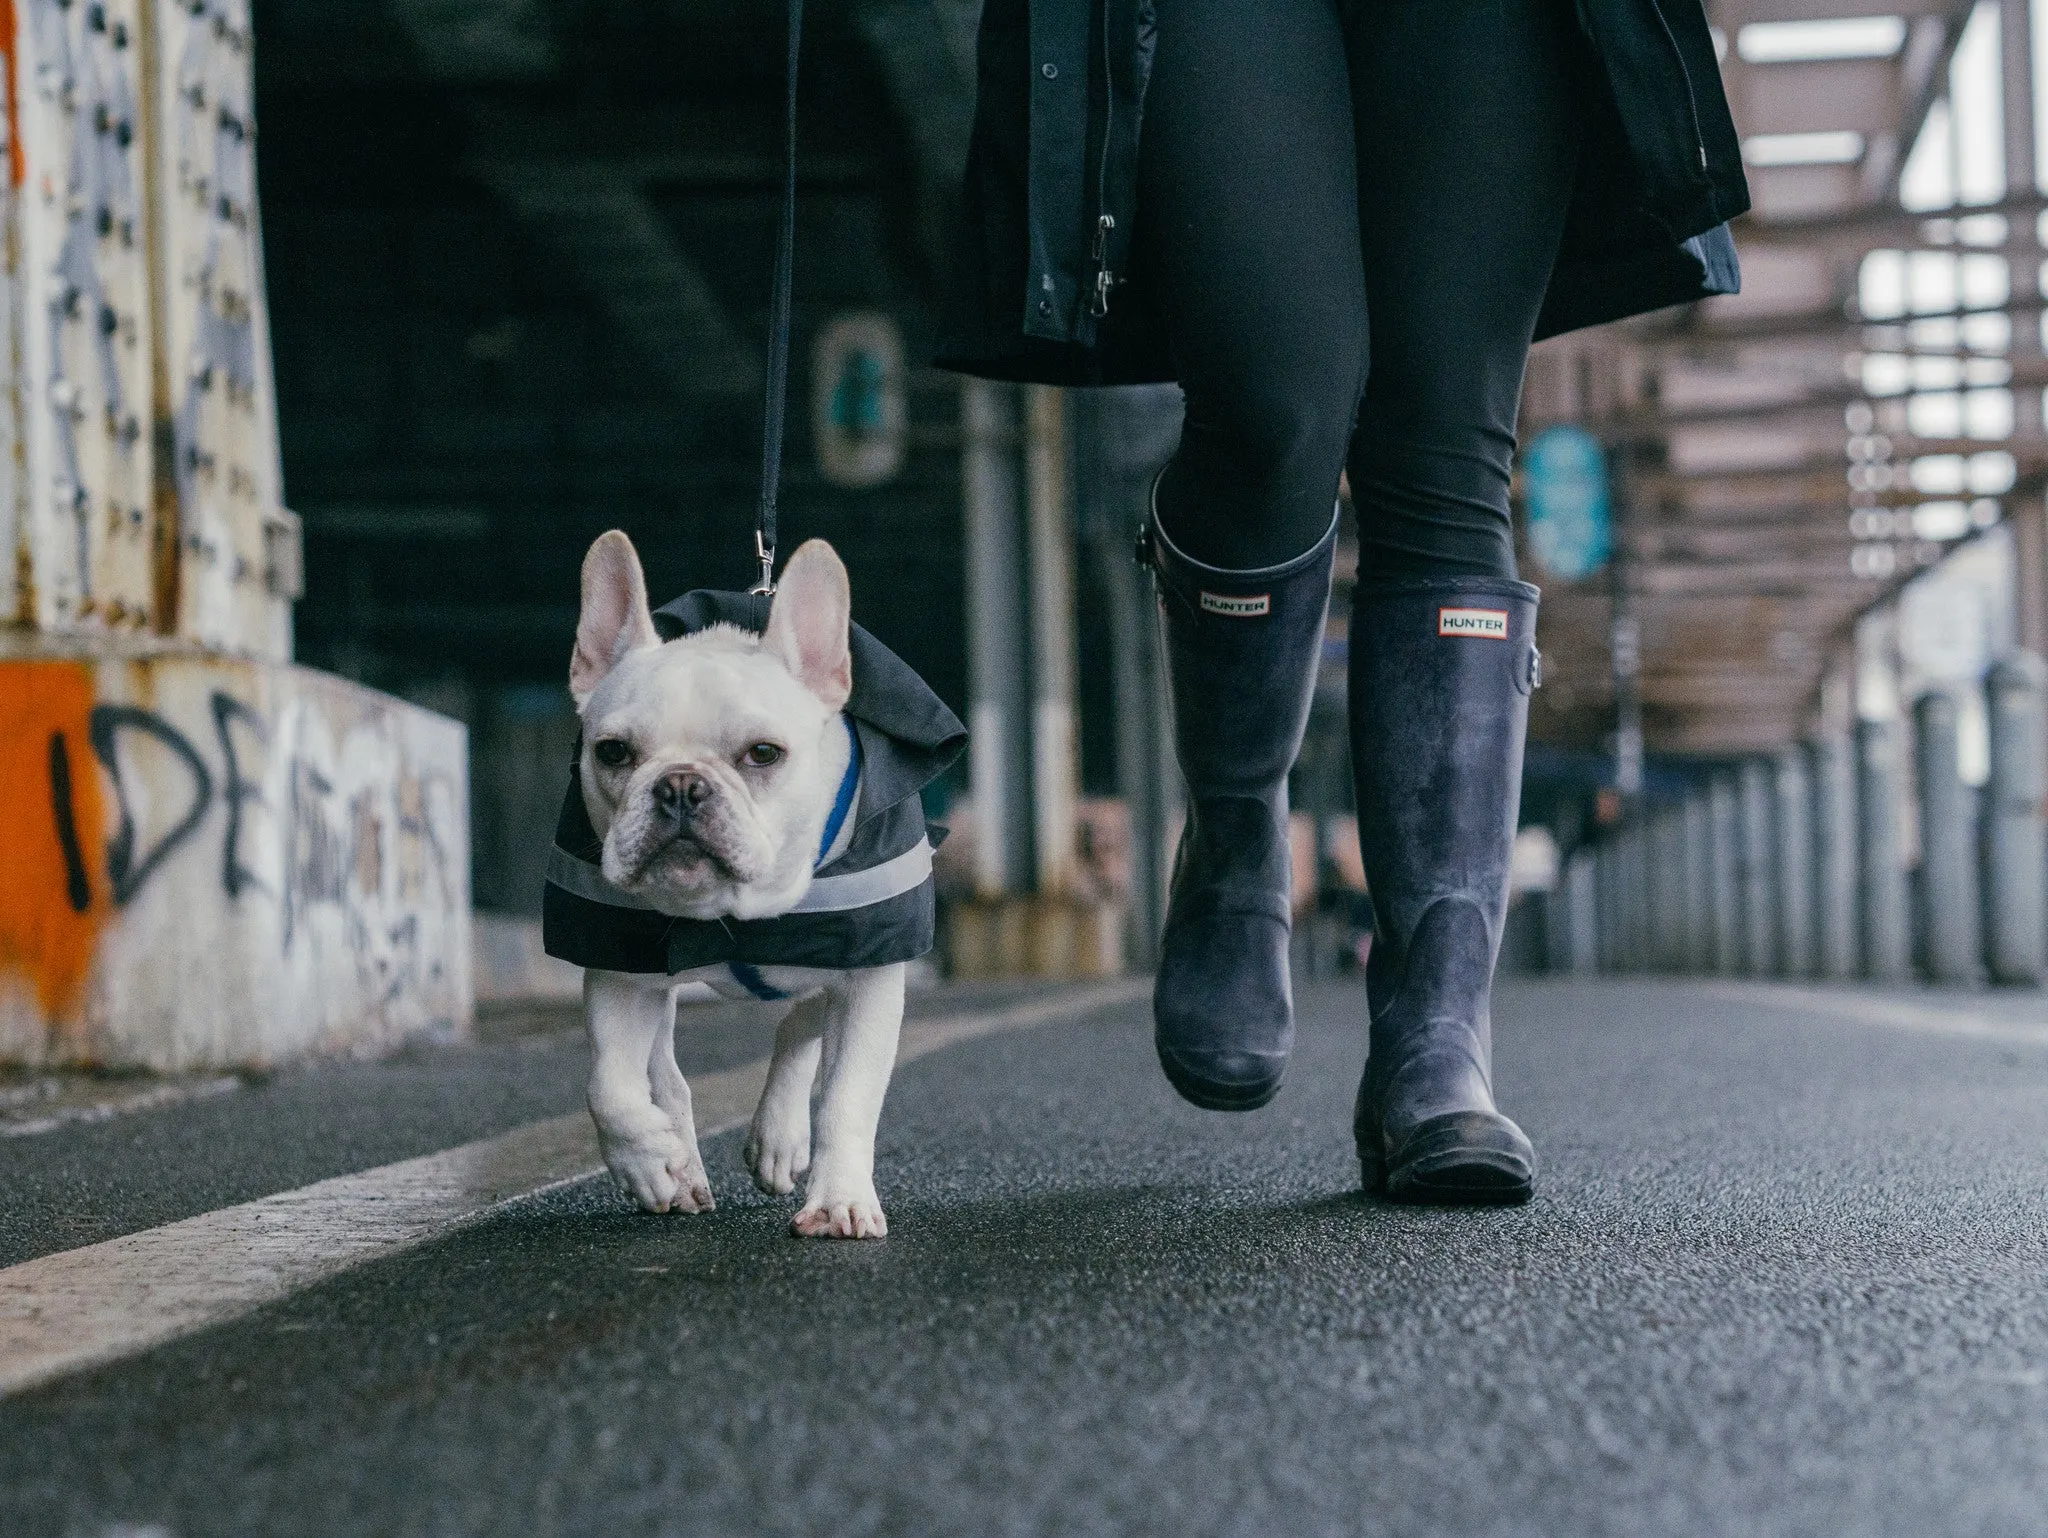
1303, 160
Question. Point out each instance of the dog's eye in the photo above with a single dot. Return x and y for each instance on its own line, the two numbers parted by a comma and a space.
612, 753
762, 754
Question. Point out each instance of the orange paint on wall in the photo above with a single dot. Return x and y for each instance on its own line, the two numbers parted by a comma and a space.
17, 168
53, 884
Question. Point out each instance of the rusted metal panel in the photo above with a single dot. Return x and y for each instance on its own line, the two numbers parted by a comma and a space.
143, 484
234, 545
85, 528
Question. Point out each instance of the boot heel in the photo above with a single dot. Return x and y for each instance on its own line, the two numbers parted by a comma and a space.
1372, 1172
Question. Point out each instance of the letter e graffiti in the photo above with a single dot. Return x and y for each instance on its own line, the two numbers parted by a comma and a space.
235, 877
127, 870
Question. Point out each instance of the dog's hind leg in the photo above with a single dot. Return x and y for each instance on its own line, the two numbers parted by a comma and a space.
779, 1141
866, 1018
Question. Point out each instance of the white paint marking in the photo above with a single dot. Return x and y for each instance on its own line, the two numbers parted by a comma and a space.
1892, 1013
86, 1307
90, 1102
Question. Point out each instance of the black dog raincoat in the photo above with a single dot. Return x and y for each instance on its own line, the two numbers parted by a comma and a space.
871, 906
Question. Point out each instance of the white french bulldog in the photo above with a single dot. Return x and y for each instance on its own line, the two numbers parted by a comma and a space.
710, 766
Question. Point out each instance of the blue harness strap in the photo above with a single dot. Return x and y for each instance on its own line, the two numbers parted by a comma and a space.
842, 803
745, 973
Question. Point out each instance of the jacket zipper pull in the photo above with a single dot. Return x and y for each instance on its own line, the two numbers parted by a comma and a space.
1105, 280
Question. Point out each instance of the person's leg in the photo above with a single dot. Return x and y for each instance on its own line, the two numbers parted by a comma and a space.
1467, 152
1249, 226
1248, 220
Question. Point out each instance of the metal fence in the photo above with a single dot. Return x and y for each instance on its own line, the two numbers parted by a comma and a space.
1863, 855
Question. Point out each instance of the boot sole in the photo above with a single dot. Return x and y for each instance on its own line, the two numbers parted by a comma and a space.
1217, 1097
1460, 1181
1445, 1165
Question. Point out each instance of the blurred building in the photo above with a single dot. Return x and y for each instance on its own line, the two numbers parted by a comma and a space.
518, 260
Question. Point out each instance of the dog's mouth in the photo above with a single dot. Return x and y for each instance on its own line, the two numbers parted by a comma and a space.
682, 859
685, 859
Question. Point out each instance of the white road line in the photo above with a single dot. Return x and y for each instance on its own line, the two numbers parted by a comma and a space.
1889, 1012
83, 1308
47, 1109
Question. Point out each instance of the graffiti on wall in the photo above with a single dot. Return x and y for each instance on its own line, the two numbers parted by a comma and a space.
318, 833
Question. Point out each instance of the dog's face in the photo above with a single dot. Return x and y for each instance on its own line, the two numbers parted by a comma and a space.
710, 763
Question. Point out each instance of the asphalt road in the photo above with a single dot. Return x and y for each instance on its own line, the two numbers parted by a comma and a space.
1785, 1273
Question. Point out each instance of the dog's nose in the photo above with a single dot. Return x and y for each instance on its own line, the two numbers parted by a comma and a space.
680, 792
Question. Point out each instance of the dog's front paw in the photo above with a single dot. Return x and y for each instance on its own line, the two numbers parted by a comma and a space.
778, 1151
841, 1211
661, 1171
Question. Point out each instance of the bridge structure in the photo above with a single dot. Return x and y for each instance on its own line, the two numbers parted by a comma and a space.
1824, 613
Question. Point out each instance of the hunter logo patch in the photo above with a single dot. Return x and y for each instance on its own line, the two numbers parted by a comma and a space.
1488, 624
1246, 607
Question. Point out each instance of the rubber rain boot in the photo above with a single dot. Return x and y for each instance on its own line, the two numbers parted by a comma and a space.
1242, 650
1441, 673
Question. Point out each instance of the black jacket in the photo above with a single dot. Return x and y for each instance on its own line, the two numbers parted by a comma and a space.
1041, 290
871, 906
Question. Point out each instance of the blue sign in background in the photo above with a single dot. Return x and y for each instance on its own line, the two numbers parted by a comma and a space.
1564, 478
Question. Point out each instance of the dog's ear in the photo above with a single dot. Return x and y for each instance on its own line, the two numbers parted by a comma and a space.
808, 622
615, 620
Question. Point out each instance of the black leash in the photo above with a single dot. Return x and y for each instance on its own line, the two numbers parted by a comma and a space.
777, 405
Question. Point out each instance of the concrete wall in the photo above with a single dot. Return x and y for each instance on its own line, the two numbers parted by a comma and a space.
219, 862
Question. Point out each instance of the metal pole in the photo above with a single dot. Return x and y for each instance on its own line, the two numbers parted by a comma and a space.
1557, 923
1649, 896
1680, 889
1625, 900
1605, 909
1727, 901
1881, 874
1055, 738
1757, 863
1643, 880
1953, 935
998, 711
1699, 885
1667, 881
1581, 919
1794, 849
1121, 438
1625, 639
2015, 838
1833, 777
1624, 903
2016, 60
